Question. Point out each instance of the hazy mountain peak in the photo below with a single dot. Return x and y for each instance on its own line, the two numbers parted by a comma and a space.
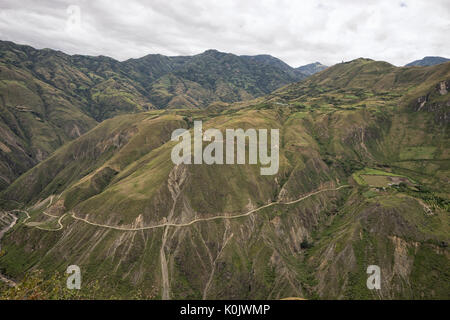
311, 68
427, 61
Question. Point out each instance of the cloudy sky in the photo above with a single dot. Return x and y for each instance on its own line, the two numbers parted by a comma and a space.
295, 31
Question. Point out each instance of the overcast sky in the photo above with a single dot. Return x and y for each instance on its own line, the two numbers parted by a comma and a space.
298, 32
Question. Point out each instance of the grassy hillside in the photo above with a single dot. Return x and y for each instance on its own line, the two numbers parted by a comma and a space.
363, 179
48, 98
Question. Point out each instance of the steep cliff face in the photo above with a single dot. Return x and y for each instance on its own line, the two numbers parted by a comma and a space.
436, 102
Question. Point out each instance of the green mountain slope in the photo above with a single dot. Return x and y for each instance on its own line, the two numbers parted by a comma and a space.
363, 180
48, 98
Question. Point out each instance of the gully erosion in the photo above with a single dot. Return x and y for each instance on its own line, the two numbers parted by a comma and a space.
7, 221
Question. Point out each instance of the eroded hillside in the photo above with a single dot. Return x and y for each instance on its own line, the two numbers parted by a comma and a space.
363, 180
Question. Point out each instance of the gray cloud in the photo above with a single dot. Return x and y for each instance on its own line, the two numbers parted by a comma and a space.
298, 32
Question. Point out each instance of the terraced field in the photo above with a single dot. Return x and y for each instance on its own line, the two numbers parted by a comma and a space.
380, 179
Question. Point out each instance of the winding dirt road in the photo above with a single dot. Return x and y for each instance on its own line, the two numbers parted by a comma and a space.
178, 225
165, 276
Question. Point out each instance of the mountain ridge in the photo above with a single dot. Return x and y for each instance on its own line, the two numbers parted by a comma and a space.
49, 97
427, 61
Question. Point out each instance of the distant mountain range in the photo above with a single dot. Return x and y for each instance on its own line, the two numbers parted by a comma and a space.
311, 68
427, 61
49, 97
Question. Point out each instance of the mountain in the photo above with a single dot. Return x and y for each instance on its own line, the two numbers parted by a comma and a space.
49, 98
427, 61
311, 68
362, 180
217, 76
